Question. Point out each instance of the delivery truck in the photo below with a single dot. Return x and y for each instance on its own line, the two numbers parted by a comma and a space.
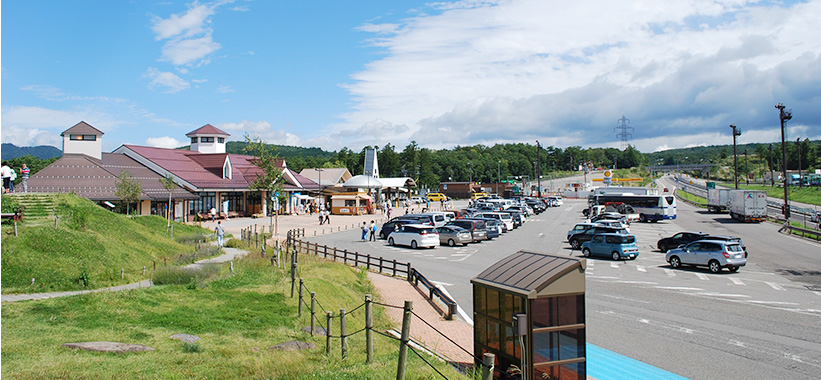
718, 200
748, 205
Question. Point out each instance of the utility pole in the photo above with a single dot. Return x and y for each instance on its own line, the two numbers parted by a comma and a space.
772, 168
798, 146
539, 168
735, 154
499, 179
783, 116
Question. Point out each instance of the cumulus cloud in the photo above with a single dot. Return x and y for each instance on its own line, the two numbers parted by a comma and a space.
261, 129
188, 35
165, 81
163, 142
30, 136
486, 71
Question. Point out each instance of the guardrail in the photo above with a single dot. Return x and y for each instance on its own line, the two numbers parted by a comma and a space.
380, 264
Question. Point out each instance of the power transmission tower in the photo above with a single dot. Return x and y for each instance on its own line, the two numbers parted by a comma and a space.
622, 131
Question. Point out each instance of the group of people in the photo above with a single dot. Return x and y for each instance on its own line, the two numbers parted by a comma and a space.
324, 216
369, 229
9, 176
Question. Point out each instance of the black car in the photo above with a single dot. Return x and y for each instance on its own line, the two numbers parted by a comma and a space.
678, 239
391, 226
577, 239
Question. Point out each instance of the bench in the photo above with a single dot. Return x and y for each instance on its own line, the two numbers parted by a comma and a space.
17, 215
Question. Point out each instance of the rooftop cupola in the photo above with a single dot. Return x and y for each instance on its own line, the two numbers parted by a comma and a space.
82, 138
208, 139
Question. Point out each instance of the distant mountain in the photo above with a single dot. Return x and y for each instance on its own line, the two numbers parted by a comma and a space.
45, 152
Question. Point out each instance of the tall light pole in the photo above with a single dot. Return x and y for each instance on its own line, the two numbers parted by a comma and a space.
736, 133
539, 166
746, 168
499, 178
534, 173
772, 168
783, 116
798, 146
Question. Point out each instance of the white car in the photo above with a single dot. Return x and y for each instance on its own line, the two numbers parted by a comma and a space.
503, 218
414, 236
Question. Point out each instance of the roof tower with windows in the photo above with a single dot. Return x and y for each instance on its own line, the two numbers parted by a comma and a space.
82, 138
208, 139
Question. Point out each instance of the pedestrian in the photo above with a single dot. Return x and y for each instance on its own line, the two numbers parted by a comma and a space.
373, 231
213, 214
220, 231
5, 170
321, 217
364, 231
24, 172
327, 216
11, 180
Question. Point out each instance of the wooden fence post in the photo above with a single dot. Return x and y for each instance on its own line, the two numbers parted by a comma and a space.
293, 274
368, 329
328, 318
487, 365
403, 340
343, 332
301, 284
313, 312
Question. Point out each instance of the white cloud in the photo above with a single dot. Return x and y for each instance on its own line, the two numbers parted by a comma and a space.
186, 51
188, 34
163, 142
224, 89
261, 129
486, 72
30, 136
166, 81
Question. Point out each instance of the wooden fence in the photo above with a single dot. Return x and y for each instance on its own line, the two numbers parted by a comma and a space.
376, 264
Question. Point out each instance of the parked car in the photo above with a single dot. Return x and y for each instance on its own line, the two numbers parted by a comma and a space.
713, 254
476, 227
438, 219
414, 236
453, 235
678, 239
425, 219
729, 239
392, 225
436, 197
578, 239
815, 215
579, 227
417, 200
615, 246
492, 226
503, 218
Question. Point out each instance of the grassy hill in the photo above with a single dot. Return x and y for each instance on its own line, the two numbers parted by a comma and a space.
87, 249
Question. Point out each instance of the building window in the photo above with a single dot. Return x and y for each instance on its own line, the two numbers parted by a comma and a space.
204, 203
83, 137
221, 140
206, 139
193, 140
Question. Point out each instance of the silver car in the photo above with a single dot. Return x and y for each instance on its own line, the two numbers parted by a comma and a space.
710, 253
453, 235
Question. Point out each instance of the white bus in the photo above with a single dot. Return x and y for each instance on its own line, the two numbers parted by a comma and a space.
651, 208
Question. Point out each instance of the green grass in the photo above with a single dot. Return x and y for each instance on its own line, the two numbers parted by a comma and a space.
88, 248
633, 173
808, 195
692, 198
237, 316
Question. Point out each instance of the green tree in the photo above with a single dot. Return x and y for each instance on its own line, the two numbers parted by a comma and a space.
271, 178
128, 189
168, 183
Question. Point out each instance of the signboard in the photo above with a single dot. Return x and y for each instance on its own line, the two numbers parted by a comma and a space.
608, 177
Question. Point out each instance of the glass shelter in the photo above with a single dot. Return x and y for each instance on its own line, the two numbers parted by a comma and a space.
528, 310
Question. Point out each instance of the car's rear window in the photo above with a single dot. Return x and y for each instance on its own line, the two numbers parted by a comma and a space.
734, 248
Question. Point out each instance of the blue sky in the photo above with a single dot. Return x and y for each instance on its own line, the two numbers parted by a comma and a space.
355, 73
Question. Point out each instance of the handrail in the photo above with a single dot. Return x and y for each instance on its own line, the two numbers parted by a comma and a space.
433, 290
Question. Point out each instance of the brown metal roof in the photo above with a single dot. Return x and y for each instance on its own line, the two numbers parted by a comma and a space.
83, 128
96, 179
207, 129
527, 273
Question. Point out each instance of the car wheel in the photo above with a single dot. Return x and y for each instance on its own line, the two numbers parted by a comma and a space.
642, 218
382, 235
615, 255
451, 243
733, 269
675, 262
575, 244
390, 241
586, 252
663, 247
715, 267
413, 244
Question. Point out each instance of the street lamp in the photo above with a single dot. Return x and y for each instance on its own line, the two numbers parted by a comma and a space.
798, 146
735, 154
539, 166
499, 178
772, 168
746, 168
783, 116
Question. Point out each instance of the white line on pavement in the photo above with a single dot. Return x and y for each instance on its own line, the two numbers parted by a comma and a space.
775, 286
702, 276
737, 281
640, 268
614, 265
459, 309
670, 272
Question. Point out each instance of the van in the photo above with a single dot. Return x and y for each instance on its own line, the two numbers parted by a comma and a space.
419, 218
476, 196
438, 219
503, 218
436, 197
477, 228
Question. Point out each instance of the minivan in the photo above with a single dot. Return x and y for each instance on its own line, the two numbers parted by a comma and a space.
477, 228
504, 218
614, 246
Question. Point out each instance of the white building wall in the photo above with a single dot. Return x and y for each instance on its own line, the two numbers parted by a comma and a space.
89, 148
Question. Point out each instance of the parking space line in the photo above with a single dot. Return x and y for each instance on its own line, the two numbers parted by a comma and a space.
670, 272
702, 276
737, 281
640, 268
775, 286
614, 265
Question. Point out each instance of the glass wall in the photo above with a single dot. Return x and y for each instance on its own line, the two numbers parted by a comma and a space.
204, 203
559, 337
236, 201
493, 329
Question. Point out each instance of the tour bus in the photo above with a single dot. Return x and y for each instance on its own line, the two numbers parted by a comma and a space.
651, 208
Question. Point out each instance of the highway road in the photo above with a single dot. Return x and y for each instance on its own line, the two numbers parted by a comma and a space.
761, 322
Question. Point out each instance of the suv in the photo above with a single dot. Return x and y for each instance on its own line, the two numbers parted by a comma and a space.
394, 224
577, 239
678, 239
615, 246
492, 226
414, 236
713, 254
435, 197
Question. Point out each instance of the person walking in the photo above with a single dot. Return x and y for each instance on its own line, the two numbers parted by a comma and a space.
24, 172
364, 231
373, 231
213, 214
11, 180
5, 170
327, 216
219, 230
321, 216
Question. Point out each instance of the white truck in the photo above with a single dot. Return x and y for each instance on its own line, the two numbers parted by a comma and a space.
718, 200
748, 205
